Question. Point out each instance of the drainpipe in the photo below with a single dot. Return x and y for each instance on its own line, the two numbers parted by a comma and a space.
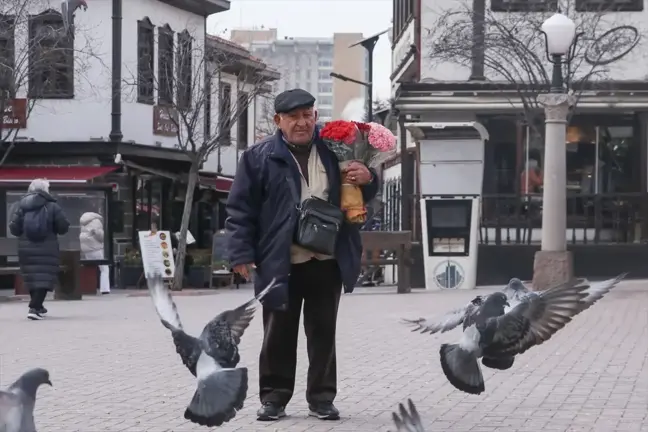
115, 115
219, 168
478, 42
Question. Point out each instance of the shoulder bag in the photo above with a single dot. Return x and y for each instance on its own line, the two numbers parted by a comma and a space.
318, 223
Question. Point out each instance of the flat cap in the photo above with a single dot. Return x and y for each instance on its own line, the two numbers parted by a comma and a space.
292, 99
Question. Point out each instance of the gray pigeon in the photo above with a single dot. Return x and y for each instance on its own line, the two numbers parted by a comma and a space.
498, 336
407, 421
68, 7
17, 403
514, 291
212, 357
448, 321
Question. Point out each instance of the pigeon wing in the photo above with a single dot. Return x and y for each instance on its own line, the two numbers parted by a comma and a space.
11, 412
187, 346
446, 322
222, 335
597, 290
407, 421
163, 302
534, 320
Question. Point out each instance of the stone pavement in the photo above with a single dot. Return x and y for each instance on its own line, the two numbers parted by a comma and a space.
114, 367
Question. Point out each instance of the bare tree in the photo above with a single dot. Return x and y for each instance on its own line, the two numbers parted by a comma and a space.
514, 49
265, 124
39, 59
190, 89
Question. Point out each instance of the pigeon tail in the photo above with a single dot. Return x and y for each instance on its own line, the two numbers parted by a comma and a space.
218, 397
407, 421
461, 368
503, 363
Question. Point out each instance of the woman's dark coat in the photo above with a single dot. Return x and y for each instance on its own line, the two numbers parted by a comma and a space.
261, 216
39, 261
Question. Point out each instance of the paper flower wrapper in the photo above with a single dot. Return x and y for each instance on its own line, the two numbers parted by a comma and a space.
351, 200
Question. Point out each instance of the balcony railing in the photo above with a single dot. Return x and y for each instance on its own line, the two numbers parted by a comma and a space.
591, 219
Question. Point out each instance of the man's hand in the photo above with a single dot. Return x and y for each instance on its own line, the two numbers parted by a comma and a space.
357, 173
244, 270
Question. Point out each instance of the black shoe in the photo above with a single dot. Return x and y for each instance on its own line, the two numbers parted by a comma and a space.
324, 411
42, 311
34, 315
270, 412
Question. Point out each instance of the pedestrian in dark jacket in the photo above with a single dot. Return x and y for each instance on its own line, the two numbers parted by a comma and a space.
261, 222
37, 222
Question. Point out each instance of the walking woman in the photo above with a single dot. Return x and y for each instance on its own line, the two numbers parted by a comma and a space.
37, 222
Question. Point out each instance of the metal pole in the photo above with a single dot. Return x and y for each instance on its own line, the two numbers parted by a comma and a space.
596, 162
115, 114
407, 179
370, 86
526, 161
219, 168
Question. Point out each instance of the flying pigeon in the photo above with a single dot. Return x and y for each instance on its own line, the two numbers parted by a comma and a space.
498, 336
68, 7
448, 321
407, 421
515, 291
17, 403
212, 357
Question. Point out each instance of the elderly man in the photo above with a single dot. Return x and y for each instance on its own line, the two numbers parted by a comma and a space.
262, 217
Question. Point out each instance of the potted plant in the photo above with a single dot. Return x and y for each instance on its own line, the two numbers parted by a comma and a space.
200, 268
130, 269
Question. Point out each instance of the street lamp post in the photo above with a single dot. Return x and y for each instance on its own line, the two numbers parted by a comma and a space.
553, 264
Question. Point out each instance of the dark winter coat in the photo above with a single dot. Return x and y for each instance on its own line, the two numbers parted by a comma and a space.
261, 215
39, 261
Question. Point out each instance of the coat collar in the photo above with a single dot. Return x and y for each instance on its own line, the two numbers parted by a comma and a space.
280, 151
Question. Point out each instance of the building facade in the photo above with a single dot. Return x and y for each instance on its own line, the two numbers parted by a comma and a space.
97, 108
439, 74
308, 62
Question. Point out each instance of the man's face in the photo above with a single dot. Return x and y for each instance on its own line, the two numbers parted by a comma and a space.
297, 125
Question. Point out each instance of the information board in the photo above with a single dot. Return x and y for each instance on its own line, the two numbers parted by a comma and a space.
157, 253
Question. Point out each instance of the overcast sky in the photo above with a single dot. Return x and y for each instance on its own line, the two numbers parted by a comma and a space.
321, 18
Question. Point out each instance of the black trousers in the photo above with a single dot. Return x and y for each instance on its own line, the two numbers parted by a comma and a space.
37, 298
318, 285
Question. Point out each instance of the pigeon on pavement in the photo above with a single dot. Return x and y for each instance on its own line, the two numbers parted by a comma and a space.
498, 336
515, 291
212, 357
18, 401
407, 421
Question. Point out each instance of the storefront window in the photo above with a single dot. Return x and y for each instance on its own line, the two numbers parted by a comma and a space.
148, 200
74, 204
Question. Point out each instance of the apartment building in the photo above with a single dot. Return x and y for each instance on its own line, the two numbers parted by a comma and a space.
308, 62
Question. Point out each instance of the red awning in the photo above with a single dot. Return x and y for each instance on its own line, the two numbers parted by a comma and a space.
221, 184
69, 174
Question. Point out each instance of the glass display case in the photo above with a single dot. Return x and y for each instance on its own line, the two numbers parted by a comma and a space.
75, 202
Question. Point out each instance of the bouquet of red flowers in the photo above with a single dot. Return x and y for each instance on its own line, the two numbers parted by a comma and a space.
369, 143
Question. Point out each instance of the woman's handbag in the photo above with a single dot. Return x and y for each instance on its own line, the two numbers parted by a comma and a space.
318, 223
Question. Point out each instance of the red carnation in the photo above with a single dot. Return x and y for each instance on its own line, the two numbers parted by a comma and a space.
339, 131
364, 127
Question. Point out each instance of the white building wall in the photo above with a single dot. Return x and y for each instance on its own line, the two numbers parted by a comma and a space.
88, 114
137, 118
230, 154
631, 67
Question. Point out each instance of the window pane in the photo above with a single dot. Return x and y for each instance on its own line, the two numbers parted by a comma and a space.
74, 205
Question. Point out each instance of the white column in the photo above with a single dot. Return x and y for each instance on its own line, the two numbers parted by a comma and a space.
554, 194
